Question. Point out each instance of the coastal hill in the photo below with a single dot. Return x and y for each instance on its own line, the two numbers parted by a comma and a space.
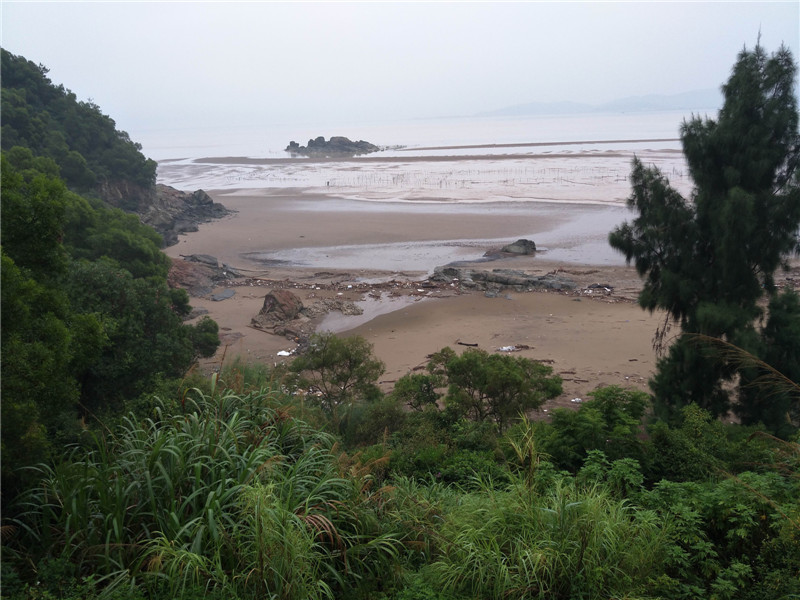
93, 157
336, 147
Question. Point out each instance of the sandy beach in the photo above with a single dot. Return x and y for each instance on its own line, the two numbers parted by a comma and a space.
322, 243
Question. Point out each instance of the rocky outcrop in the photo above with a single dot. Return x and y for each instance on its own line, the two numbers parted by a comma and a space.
199, 274
280, 306
336, 147
283, 313
501, 279
127, 195
520, 247
172, 212
167, 210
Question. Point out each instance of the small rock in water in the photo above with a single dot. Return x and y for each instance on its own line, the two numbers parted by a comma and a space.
223, 295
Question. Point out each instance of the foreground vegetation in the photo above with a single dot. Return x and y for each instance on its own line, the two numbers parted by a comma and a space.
227, 493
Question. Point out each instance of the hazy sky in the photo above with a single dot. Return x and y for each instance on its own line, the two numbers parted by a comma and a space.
158, 64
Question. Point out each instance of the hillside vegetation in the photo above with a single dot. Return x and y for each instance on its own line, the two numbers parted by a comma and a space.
91, 153
88, 321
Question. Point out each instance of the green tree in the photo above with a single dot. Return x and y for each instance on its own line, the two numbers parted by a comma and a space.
777, 407
341, 371
88, 320
418, 390
49, 120
94, 230
142, 331
709, 259
609, 422
495, 387
37, 384
33, 207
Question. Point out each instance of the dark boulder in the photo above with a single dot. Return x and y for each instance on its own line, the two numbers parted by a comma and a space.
280, 306
520, 247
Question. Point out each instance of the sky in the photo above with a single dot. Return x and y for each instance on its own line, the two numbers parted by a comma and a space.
182, 64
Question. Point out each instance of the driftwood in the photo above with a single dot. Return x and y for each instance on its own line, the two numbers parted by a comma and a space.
465, 344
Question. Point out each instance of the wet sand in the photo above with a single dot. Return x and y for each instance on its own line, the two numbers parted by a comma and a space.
301, 228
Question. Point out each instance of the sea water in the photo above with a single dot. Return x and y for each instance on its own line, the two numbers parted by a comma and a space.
268, 140
578, 158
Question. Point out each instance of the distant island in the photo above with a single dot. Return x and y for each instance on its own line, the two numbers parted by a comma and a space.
337, 146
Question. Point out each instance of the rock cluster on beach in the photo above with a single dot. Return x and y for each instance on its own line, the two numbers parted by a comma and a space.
172, 212
283, 313
337, 146
199, 274
501, 279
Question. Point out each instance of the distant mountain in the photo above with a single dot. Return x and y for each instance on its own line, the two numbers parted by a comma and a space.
695, 100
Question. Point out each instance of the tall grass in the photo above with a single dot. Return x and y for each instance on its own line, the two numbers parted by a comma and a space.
232, 494
569, 542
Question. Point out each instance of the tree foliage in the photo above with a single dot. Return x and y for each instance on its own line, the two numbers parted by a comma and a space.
341, 371
707, 260
51, 122
610, 422
494, 387
88, 319
418, 390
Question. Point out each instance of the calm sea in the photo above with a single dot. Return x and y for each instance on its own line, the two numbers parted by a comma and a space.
269, 140
594, 151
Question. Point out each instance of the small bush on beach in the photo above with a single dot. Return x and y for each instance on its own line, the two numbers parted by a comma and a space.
338, 373
493, 387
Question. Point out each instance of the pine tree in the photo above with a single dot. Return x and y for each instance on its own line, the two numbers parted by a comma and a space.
708, 260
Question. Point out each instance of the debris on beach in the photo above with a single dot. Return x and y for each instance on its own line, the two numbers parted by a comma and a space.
515, 348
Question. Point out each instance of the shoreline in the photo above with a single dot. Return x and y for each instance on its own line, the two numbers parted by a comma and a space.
247, 160
540, 144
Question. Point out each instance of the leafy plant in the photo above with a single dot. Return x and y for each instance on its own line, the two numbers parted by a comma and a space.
567, 543
338, 372
494, 387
